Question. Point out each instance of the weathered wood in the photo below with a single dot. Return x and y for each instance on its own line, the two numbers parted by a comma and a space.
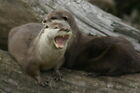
13, 80
90, 19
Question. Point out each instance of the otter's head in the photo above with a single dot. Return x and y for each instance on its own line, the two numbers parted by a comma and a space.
57, 33
63, 16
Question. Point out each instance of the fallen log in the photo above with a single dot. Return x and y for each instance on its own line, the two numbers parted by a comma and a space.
90, 19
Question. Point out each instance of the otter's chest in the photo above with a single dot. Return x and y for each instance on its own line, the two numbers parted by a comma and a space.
51, 57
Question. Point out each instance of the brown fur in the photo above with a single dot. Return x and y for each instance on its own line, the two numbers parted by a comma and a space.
25, 45
103, 55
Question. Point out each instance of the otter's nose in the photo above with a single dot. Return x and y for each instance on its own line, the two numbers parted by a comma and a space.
65, 29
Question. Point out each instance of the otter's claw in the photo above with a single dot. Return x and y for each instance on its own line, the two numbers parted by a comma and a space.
57, 75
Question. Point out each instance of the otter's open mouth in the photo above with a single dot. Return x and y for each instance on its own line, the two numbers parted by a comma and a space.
60, 41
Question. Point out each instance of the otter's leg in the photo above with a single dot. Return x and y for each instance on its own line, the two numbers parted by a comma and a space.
33, 69
58, 74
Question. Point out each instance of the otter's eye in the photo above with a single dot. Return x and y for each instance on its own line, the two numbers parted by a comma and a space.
67, 30
44, 21
56, 27
65, 18
53, 18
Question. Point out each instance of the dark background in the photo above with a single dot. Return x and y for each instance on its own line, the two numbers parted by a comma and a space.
128, 10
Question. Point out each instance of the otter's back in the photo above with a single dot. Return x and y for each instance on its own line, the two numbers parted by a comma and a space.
20, 38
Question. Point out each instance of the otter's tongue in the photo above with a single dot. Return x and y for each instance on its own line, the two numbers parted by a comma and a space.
60, 41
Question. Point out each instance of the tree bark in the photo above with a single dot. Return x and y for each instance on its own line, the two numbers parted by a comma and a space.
90, 19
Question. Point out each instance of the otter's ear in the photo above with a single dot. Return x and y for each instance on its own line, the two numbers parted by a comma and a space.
44, 22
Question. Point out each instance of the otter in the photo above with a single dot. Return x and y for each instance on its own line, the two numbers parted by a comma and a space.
78, 38
38, 47
104, 55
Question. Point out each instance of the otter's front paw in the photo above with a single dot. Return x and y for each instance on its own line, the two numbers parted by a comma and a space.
41, 82
57, 75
